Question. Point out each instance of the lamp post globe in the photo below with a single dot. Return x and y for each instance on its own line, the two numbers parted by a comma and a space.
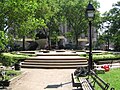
90, 14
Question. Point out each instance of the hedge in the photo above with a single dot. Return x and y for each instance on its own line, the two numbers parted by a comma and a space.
103, 56
106, 57
8, 59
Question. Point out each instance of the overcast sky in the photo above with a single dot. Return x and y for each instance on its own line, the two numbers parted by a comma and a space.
106, 5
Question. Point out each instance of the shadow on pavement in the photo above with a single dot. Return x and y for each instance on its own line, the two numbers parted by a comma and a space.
57, 85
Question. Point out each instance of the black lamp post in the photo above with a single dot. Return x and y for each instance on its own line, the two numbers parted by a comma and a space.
90, 14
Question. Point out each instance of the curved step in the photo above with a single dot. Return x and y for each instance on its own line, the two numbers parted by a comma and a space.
56, 61
57, 54
53, 64
53, 67
57, 58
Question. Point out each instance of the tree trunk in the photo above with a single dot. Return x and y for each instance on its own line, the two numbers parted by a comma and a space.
76, 42
23, 43
49, 42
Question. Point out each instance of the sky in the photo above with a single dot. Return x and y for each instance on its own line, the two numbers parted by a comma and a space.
106, 5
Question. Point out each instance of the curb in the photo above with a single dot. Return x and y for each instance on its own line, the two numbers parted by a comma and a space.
15, 79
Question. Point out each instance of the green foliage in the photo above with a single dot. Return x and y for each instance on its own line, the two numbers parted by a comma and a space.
8, 59
74, 14
113, 17
3, 41
20, 18
103, 56
9, 74
116, 41
106, 57
69, 35
54, 36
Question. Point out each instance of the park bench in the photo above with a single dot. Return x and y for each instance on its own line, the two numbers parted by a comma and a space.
74, 83
88, 82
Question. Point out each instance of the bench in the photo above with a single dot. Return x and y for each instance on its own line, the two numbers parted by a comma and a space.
100, 82
85, 84
88, 82
75, 84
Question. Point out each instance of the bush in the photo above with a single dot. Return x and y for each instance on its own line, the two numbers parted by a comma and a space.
106, 57
10, 74
103, 56
8, 59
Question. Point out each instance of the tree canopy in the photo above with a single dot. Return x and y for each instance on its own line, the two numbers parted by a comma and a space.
113, 18
20, 18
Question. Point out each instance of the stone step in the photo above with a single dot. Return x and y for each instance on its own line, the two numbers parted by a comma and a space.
53, 67
28, 52
54, 64
56, 61
56, 58
57, 54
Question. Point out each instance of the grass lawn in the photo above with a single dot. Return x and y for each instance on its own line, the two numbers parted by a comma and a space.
112, 77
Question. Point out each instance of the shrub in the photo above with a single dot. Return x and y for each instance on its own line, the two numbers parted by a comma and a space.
103, 56
8, 59
10, 74
106, 57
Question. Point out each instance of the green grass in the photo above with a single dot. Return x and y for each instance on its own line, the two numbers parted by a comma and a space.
112, 77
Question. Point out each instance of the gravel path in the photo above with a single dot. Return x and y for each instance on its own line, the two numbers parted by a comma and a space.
45, 79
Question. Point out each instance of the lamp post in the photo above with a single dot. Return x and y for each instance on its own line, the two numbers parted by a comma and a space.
90, 14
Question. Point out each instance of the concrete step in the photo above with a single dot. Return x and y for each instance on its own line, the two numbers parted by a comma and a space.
56, 61
53, 67
53, 64
57, 58
57, 54
28, 52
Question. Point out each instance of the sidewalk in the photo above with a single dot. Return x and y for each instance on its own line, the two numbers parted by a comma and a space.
45, 79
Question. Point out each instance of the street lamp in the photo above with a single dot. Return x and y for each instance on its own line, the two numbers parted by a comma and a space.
90, 14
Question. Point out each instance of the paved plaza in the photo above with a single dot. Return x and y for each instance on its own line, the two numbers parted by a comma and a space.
44, 79
47, 79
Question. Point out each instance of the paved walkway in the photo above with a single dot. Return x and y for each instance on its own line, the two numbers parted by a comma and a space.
44, 79
47, 79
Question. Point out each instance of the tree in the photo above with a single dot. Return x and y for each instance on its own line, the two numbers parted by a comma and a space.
3, 41
48, 10
74, 14
113, 16
19, 18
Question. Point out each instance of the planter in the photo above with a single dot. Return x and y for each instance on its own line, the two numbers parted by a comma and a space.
17, 66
